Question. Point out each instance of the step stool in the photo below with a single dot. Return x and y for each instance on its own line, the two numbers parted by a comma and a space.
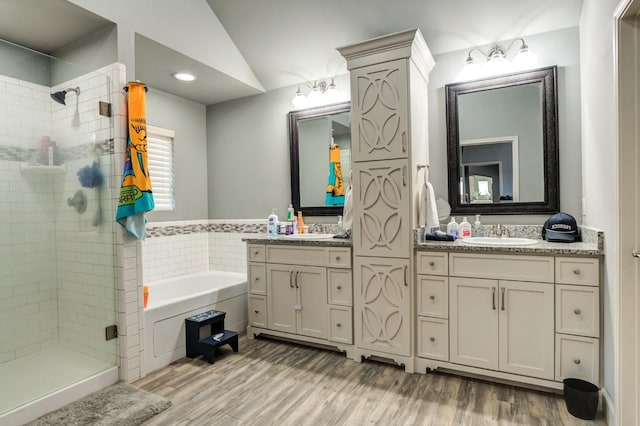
208, 345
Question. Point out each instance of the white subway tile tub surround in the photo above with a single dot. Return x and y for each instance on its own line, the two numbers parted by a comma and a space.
227, 252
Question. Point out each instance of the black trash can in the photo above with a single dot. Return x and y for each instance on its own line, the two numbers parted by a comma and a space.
581, 398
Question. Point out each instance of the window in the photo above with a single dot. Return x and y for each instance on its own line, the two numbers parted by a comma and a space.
160, 161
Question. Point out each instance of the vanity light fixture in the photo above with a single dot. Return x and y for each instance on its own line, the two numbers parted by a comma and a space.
183, 76
496, 61
320, 93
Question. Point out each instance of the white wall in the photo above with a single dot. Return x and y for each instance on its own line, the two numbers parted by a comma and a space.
599, 177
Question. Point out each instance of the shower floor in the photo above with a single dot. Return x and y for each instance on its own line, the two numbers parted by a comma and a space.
33, 376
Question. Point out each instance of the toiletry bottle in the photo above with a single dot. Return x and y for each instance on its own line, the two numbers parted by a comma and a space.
290, 213
272, 224
465, 228
452, 227
300, 223
477, 227
145, 296
295, 225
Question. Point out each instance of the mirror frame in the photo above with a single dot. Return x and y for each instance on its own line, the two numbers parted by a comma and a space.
294, 151
548, 78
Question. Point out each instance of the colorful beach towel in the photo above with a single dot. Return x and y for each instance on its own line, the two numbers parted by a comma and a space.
136, 197
335, 187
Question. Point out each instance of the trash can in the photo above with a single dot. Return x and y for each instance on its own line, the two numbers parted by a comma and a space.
581, 398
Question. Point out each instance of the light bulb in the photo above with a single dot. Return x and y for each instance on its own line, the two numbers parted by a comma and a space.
525, 59
332, 94
315, 96
470, 70
299, 100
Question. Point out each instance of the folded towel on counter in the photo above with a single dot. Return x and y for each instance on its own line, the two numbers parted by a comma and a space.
428, 213
438, 236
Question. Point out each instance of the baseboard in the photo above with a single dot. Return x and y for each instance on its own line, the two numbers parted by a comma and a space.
608, 407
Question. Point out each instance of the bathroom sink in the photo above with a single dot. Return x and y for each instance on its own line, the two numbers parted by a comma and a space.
308, 236
496, 241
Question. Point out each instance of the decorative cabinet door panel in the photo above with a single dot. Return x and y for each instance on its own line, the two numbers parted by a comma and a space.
382, 207
473, 322
382, 305
281, 298
379, 111
527, 329
311, 306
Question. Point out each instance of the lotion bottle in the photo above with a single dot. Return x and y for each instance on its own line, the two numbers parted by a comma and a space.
452, 227
465, 228
300, 223
272, 224
290, 213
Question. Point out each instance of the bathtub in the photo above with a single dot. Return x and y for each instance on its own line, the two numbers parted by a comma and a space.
171, 300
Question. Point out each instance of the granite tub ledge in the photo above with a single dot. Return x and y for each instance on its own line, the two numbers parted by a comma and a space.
325, 242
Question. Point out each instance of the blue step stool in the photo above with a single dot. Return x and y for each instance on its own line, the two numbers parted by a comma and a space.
209, 345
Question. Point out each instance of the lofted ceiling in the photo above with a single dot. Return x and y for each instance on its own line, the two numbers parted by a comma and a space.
288, 42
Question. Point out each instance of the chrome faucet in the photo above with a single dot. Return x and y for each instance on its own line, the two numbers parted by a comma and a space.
501, 231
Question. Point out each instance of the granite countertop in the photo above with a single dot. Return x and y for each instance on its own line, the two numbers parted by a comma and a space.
324, 242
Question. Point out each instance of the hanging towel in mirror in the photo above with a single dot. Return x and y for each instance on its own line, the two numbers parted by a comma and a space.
335, 187
136, 197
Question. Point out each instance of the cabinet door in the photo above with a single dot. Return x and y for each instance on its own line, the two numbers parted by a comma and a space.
379, 111
281, 298
382, 220
312, 318
527, 328
473, 321
382, 305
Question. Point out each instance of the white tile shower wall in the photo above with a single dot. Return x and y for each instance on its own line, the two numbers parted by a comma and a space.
227, 252
169, 256
28, 294
85, 254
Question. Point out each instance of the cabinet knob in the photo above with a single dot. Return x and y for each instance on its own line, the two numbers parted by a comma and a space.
432, 339
339, 324
577, 311
257, 279
432, 263
432, 297
576, 271
339, 287
256, 311
337, 258
576, 360
255, 253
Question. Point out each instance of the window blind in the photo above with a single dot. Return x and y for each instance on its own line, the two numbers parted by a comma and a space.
160, 162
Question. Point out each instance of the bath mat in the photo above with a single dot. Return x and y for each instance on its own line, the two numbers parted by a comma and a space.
117, 405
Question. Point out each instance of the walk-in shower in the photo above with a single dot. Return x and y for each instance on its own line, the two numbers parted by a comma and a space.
57, 274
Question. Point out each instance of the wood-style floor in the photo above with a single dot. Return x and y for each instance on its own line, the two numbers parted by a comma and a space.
274, 382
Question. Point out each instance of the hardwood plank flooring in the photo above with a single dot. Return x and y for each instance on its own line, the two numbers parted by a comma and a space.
281, 383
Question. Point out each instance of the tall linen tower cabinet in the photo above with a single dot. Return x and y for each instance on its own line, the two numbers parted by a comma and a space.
389, 139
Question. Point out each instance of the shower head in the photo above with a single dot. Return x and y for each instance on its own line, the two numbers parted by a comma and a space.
59, 96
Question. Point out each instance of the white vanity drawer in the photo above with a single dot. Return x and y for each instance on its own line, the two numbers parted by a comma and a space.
433, 296
297, 255
339, 257
578, 310
432, 263
578, 270
257, 310
502, 266
577, 357
257, 278
340, 287
433, 338
340, 325
255, 252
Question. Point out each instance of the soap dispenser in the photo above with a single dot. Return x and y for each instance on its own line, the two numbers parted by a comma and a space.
465, 228
452, 227
272, 224
477, 227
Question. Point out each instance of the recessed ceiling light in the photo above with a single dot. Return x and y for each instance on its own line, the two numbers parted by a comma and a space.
184, 76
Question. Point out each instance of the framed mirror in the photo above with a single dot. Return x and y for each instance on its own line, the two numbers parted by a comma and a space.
320, 149
502, 144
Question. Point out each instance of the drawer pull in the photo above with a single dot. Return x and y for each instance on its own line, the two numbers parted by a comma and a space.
432, 339
339, 287
432, 297
337, 258
339, 324
432, 263
577, 311
256, 311
576, 361
576, 271
255, 253
257, 279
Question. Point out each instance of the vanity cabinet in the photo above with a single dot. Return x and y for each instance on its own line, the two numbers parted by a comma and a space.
301, 292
